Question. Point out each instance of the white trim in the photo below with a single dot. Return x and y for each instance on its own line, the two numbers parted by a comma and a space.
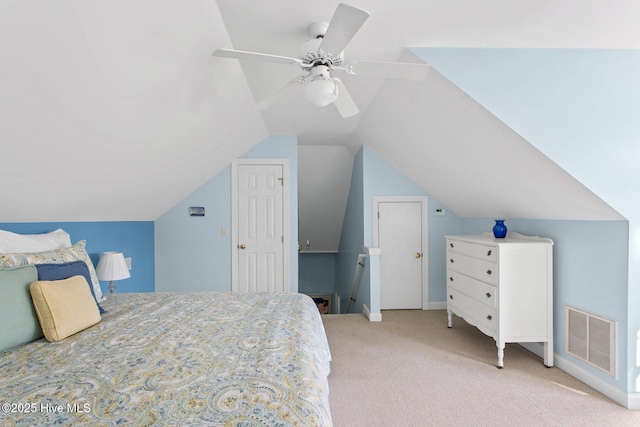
633, 401
628, 400
438, 305
424, 200
607, 389
285, 216
369, 250
373, 317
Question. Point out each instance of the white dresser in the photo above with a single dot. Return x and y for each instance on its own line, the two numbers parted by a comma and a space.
504, 287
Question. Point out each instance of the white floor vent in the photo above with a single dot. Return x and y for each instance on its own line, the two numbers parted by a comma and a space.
591, 338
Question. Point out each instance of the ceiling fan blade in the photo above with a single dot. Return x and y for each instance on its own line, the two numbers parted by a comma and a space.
241, 54
345, 23
274, 96
344, 103
389, 70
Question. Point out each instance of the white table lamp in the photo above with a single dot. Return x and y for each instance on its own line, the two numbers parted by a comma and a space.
112, 266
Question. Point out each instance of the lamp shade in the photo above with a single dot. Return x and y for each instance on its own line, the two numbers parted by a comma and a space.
112, 266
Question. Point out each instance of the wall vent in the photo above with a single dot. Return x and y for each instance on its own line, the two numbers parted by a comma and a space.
591, 338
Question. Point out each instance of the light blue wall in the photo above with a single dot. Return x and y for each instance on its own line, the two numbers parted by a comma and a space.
191, 252
372, 176
580, 107
134, 239
317, 273
382, 179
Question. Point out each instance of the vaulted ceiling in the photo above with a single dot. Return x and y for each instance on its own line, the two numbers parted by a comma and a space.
116, 110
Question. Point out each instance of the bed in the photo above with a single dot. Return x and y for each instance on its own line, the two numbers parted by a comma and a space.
178, 359
194, 359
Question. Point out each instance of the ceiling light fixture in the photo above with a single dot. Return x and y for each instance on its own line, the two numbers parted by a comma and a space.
322, 90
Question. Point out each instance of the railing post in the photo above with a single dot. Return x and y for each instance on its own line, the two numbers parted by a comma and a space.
373, 312
356, 281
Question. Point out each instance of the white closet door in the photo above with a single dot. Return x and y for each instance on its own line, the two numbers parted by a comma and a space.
260, 229
401, 259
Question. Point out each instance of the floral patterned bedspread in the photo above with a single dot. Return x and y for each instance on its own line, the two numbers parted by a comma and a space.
193, 359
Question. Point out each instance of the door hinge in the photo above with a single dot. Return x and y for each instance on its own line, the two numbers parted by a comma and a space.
281, 181
282, 239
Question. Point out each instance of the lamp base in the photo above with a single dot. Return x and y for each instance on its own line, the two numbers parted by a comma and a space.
112, 287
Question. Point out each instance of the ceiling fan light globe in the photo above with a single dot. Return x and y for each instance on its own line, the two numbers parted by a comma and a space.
321, 92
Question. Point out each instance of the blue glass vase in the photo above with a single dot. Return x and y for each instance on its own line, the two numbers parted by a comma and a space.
499, 230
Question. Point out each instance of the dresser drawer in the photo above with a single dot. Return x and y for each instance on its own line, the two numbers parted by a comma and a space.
487, 253
476, 289
485, 271
480, 313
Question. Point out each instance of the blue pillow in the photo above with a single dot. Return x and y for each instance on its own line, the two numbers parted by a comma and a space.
64, 271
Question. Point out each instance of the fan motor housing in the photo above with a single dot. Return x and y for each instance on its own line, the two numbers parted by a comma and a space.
312, 55
311, 51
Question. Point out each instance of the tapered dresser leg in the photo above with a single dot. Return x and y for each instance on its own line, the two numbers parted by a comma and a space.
548, 355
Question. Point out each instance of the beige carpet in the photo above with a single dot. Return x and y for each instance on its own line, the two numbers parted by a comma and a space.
411, 370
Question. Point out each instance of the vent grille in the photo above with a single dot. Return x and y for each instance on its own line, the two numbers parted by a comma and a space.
591, 338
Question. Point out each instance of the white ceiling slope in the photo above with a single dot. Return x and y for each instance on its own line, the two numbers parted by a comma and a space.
281, 27
445, 142
469, 160
324, 178
115, 110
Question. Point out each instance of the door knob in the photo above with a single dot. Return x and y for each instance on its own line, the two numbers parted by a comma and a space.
242, 246
418, 255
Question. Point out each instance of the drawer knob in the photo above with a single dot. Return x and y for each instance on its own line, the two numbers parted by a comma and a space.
451, 244
489, 272
489, 253
451, 260
450, 296
489, 317
451, 279
488, 294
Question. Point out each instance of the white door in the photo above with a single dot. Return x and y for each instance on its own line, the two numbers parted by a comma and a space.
400, 239
260, 228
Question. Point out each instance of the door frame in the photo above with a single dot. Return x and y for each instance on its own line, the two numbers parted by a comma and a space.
424, 201
286, 235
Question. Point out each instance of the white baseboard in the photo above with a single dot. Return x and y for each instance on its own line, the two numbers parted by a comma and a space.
634, 401
628, 400
373, 317
436, 306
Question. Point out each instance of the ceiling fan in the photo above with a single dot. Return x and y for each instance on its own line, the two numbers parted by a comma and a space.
324, 54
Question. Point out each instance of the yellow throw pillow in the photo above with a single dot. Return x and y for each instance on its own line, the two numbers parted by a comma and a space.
64, 307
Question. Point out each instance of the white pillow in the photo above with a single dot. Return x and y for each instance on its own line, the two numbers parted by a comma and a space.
17, 243
59, 256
